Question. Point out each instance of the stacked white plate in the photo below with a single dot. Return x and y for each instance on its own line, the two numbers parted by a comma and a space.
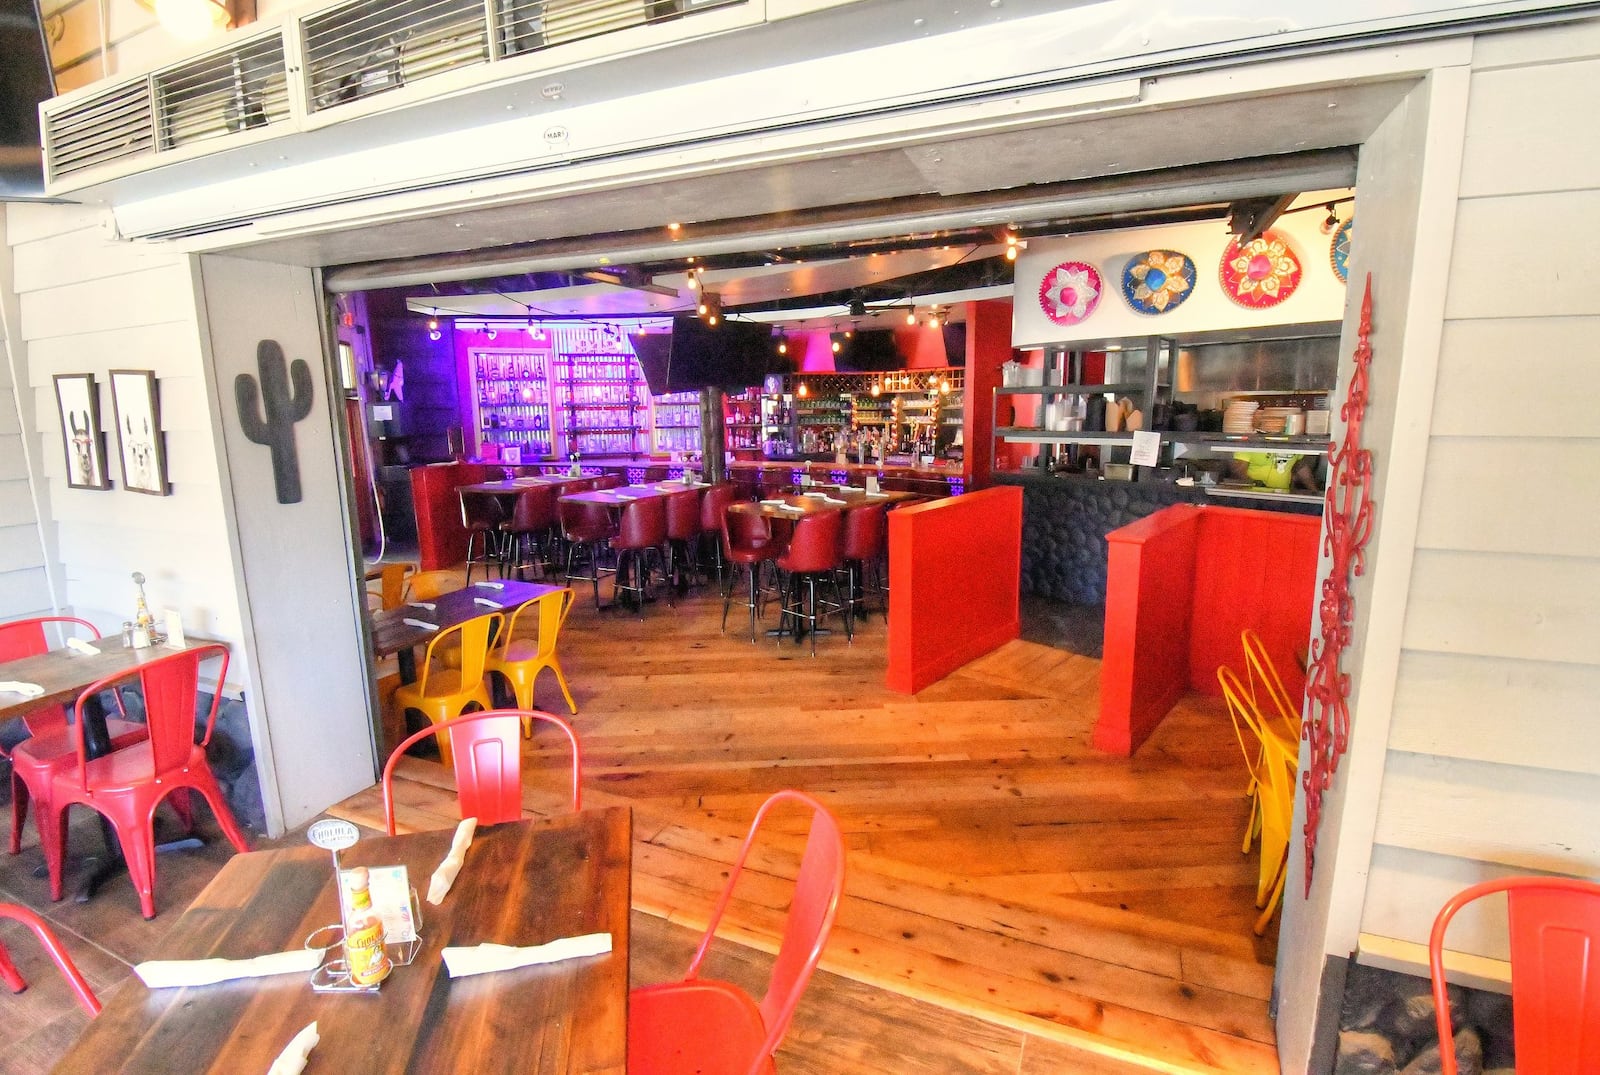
1239, 416
1274, 419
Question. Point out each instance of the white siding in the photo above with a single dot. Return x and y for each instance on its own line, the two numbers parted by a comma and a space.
1494, 760
24, 575
89, 305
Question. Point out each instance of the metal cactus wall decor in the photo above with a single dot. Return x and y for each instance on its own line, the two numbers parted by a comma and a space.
1347, 516
284, 396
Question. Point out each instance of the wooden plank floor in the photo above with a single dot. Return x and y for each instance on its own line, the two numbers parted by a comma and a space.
999, 867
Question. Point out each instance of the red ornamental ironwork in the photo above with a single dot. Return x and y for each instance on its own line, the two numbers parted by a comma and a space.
1347, 524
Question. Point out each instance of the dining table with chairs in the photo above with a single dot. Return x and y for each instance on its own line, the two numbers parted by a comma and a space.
398, 631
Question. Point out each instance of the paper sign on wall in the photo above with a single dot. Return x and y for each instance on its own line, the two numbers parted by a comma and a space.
383, 413
1146, 447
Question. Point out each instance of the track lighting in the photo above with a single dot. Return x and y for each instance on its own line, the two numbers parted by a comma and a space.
491, 332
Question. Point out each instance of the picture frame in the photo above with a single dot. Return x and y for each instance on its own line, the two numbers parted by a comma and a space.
82, 439
136, 411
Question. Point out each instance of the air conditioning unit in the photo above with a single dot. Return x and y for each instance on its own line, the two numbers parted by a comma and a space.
346, 62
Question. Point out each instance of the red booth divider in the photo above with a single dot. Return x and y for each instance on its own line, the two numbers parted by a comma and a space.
441, 539
954, 568
1181, 585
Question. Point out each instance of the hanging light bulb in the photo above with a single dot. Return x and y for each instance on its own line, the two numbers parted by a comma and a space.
703, 309
693, 281
711, 319
911, 316
837, 347
783, 345
1331, 221
433, 324
877, 388
491, 332
434, 334
801, 390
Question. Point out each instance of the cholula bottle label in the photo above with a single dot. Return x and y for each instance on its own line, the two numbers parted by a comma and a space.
363, 935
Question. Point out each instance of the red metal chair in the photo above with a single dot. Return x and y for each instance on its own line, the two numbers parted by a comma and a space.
488, 763
1555, 975
50, 749
127, 785
58, 955
706, 1026
812, 557
748, 543
643, 530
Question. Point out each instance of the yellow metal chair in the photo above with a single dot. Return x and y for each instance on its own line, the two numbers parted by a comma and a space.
440, 692
392, 579
1264, 680
1273, 761
521, 660
426, 585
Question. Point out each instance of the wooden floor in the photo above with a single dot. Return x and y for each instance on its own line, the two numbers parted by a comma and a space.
999, 867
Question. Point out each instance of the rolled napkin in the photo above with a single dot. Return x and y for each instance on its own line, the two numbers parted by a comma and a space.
429, 605
170, 973
292, 1061
78, 645
492, 957
829, 500
487, 601
27, 690
445, 875
625, 496
877, 496
424, 624
823, 496
491, 585
776, 503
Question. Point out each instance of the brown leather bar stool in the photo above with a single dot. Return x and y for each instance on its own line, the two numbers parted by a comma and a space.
865, 540
643, 531
481, 516
529, 530
775, 481
609, 481
747, 543
683, 533
713, 505
813, 557
585, 528
657, 473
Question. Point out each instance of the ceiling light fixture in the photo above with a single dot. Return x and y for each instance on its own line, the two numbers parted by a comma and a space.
911, 316
783, 344
490, 331
801, 390
1332, 220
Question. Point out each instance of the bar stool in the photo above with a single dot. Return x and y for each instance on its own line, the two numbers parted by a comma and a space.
657, 473
774, 481
585, 528
713, 505
747, 543
643, 531
533, 519
812, 557
866, 528
683, 533
481, 516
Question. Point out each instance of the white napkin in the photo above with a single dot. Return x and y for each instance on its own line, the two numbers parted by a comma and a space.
493, 957
486, 601
491, 585
625, 496
776, 503
292, 1060
27, 690
78, 645
445, 875
877, 496
826, 499
429, 605
822, 496
424, 624
168, 973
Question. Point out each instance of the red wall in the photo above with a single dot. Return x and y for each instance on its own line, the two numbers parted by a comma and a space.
954, 566
1145, 665
1181, 586
988, 348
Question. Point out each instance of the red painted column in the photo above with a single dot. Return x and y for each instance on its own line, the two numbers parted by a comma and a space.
988, 348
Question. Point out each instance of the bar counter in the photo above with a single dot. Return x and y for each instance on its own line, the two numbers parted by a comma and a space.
1066, 517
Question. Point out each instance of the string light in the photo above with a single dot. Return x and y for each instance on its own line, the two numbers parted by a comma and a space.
491, 332
911, 316
783, 344
433, 326
801, 390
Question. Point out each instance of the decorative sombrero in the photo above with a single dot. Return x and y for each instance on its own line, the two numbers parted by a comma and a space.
1070, 292
1158, 281
1339, 249
1260, 274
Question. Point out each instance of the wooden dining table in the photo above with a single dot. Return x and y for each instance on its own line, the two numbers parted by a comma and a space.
392, 635
798, 505
523, 883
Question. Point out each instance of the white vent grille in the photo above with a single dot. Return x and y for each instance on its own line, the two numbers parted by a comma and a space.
529, 25
371, 47
223, 94
106, 127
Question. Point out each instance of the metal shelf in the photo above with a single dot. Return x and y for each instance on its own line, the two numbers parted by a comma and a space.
1265, 494
1020, 435
1122, 388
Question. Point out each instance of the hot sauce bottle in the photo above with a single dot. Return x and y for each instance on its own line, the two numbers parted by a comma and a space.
363, 935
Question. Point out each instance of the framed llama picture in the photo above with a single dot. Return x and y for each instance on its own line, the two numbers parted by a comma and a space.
139, 440
78, 401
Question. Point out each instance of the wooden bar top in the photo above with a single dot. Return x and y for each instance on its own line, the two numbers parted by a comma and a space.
524, 883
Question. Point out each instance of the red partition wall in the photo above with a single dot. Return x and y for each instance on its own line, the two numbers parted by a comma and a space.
1144, 669
1256, 569
954, 567
441, 539
1181, 586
